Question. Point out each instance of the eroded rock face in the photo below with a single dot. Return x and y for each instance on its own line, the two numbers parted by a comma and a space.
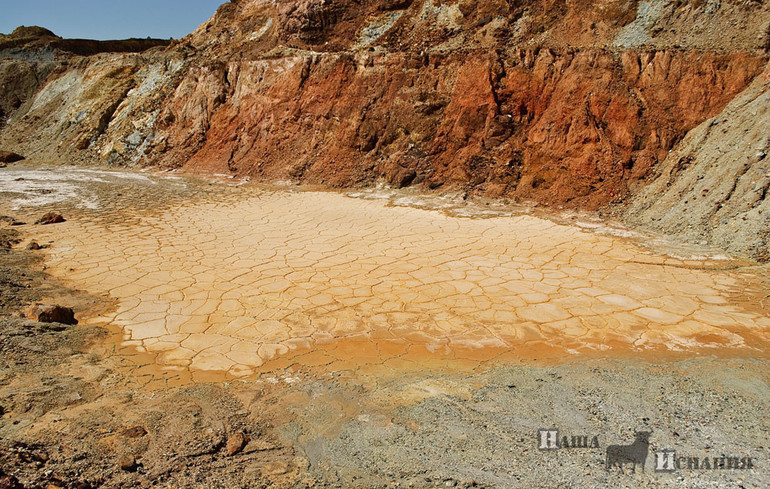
564, 104
556, 127
714, 186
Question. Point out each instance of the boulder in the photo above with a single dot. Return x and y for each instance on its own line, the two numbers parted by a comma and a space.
127, 463
235, 444
52, 314
10, 157
51, 218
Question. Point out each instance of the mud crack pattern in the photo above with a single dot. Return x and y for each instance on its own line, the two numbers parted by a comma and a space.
236, 282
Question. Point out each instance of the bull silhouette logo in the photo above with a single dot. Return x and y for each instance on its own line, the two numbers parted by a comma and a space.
634, 454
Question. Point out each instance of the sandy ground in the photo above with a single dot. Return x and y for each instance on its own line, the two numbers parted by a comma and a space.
363, 340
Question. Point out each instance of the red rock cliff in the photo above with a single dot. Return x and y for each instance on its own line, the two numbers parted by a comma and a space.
567, 103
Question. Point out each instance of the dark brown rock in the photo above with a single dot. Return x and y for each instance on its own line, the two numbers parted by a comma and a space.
10, 157
404, 178
235, 444
34, 245
51, 218
10, 482
12, 221
52, 314
395, 4
127, 463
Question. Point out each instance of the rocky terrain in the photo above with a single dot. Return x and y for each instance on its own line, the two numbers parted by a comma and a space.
80, 407
464, 278
571, 104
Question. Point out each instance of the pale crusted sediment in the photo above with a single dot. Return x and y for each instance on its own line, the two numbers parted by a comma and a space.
229, 285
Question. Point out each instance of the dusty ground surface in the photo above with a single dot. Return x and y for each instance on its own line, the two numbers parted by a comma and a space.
387, 387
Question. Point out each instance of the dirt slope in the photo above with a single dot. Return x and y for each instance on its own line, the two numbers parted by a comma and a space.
714, 186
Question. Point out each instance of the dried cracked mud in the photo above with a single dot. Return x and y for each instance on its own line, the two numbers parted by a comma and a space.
231, 282
382, 313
